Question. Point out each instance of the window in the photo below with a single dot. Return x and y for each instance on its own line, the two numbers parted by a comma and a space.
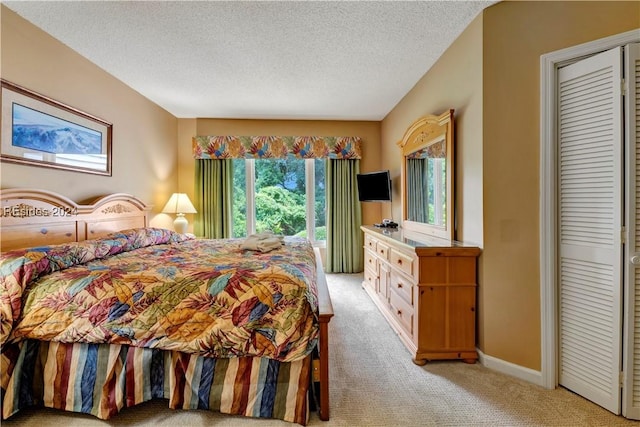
286, 196
437, 191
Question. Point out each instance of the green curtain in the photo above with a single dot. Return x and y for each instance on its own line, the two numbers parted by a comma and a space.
344, 218
417, 175
214, 198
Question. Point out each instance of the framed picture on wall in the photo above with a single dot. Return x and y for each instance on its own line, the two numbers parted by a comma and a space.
36, 130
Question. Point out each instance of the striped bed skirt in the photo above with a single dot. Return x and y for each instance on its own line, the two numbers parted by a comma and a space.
101, 379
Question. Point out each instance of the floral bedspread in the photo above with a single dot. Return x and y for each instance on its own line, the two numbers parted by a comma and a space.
155, 288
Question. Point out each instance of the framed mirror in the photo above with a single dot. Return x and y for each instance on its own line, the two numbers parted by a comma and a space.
427, 176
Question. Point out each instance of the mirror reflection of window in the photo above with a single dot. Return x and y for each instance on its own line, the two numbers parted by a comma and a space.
417, 205
438, 194
426, 181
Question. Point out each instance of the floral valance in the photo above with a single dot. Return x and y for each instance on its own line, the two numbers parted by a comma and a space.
433, 151
261, 147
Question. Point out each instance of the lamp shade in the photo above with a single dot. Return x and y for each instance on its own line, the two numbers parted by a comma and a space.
179, 203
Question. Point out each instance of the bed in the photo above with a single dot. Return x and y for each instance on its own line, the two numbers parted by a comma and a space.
103, 312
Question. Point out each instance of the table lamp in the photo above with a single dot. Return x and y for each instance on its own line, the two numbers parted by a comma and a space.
179, 204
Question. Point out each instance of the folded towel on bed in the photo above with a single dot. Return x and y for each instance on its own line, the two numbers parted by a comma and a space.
263, 242
267, 235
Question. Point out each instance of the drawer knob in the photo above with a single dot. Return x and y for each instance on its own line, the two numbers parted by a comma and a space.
399, 285
400, 261
399, 312
44, 231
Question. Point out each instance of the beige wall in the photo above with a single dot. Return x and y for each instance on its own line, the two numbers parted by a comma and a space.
455, 81
144, 135
368, 131
515, 35
490, 75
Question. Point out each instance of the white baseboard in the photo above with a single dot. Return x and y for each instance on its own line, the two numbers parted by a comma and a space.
509, 368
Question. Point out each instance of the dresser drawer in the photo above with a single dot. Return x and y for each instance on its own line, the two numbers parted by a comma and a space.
382, 250
401, 310
370, 242
402, 261
370, 261
370, 278
402, 286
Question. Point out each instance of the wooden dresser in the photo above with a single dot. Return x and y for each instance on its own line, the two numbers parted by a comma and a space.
426, 289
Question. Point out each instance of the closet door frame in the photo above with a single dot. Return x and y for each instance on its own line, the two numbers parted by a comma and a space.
549, 64
631, 344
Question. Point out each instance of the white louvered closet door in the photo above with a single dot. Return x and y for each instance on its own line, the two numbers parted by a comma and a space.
631, 365
590, 227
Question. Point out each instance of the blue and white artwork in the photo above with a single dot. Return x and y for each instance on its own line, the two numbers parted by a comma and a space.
35, 130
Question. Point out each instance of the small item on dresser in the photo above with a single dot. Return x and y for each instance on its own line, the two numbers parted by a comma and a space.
263, 242
387, 223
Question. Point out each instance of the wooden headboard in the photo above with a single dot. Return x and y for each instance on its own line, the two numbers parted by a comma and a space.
38, 217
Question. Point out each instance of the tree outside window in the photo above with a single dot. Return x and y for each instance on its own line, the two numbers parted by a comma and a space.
286, 196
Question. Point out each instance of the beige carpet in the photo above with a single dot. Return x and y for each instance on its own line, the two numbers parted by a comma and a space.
374, 383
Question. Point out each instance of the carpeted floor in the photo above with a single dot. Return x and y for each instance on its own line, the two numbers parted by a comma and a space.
374, 383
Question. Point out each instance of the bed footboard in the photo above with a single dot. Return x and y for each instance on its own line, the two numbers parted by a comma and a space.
326, 313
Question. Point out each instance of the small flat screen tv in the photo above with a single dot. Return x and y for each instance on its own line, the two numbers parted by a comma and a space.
374, 186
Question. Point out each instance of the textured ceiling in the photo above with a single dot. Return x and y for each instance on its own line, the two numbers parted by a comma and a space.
334, 60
